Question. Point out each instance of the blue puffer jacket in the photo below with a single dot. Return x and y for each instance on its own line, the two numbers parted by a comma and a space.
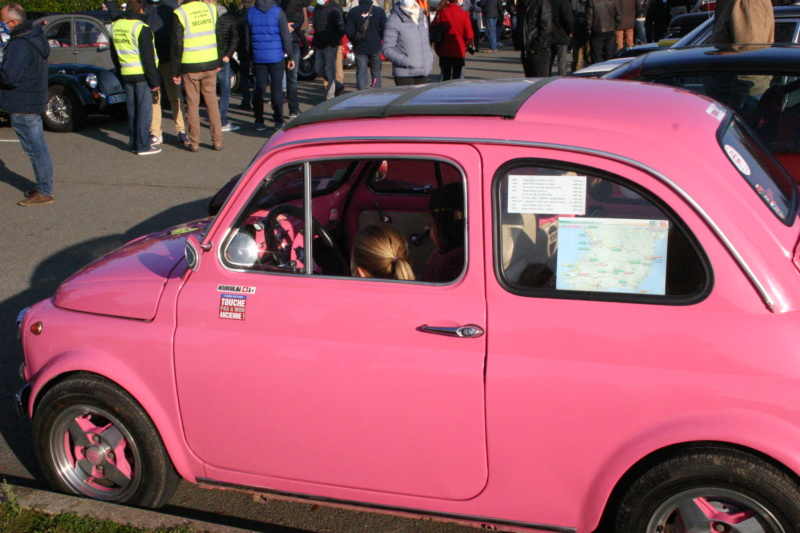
407, 44
23, 76
267, 31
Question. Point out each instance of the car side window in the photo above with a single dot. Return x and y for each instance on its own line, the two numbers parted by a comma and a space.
87, 33
59, 34
424, 210
575, 233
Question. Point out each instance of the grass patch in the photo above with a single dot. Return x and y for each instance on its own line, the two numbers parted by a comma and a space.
15, 519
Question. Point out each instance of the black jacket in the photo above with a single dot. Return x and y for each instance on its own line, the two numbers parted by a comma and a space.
377, 24
603, 15
492, 9
563, 21
147, 54
227, 35
159, 16
534, 25
23, 76
328, 24
178, 67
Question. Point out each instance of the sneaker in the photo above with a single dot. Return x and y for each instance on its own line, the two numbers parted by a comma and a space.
36, 199
230, 127
31, 192
260, 126
339, 89
193, 148
149, 151
279, 126
218, 147
155, 139
292, 115
183, 140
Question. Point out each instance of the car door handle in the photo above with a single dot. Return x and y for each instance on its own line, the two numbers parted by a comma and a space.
468, 331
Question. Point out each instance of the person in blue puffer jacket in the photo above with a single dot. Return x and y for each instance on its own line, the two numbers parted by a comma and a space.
267, 37
406, 43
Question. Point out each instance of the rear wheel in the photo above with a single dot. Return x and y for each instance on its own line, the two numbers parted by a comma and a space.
93, 439
305, 70
709, 488
63, 111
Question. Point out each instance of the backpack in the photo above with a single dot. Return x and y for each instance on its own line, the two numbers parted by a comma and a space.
361, 31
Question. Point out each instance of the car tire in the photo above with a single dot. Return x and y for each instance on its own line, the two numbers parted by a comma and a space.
93, 439
234, 76
305, 71
63, 111
707, 487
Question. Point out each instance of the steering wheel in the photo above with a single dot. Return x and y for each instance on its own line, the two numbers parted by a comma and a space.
280, 243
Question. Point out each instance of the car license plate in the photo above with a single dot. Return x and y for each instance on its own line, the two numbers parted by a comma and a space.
117, 98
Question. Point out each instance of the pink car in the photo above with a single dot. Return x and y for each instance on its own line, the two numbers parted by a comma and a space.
600, 334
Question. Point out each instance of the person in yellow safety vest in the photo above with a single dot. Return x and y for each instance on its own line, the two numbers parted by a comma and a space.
195, 63
134, 55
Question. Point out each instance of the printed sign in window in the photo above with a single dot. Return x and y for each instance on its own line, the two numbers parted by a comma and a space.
612, 255
563, 195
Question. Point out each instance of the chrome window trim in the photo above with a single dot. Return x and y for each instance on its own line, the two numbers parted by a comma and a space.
760, 287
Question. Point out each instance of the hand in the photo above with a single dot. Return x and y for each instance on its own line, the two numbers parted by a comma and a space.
225, 59
176, 80
290, 64
155, 89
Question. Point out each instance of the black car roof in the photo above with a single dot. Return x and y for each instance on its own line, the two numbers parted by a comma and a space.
497, 98
717, 58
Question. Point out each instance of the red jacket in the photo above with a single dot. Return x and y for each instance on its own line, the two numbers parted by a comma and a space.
456, 31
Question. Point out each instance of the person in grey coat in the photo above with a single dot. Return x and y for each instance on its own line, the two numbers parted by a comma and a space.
406, 43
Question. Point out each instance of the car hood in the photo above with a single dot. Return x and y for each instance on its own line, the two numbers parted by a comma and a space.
73, 69
128, 282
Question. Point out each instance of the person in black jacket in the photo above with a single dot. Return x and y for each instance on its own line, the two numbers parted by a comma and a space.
295, 11
532, 36
136, 63
603, 17
227, 43
563, 26
23, 94
367, 50
328, 21
492, 13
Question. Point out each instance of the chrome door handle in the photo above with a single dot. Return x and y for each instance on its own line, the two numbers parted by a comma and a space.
468, 331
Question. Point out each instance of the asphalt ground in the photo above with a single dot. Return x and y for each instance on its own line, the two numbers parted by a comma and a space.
104, 197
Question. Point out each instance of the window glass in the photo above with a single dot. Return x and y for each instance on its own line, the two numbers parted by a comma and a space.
767, 178
88, 33
574, 233
59, 34
423, 208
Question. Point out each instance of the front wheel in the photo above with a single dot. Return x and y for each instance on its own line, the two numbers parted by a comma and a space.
708, 488
93, 439
305, 70
63, 111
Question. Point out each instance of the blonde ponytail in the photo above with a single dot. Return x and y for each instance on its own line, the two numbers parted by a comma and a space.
382, 252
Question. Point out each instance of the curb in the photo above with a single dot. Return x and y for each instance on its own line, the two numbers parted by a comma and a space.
55, 503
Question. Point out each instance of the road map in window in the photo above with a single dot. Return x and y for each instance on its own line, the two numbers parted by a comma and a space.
612, 255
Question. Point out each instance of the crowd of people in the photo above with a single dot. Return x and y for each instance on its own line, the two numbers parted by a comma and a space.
190, 43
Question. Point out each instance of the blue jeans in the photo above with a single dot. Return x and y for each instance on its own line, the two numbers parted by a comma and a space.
271, 73
490, 27
30, 131
368, 70
325, 67
244, 78
639, 34
224, 82
291, 78
140, 114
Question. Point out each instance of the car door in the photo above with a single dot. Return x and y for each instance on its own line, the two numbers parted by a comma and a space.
60, 37
286, 373
92, 43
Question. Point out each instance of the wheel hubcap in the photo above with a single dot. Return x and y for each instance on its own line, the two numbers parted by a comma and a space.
712, 510
59, 109
94, 454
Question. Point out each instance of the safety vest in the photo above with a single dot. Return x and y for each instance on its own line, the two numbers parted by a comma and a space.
125, 33
199, 21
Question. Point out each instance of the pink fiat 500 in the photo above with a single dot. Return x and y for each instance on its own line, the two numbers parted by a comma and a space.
582, 326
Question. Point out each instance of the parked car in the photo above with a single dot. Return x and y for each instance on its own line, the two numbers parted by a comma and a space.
601, 333
787, 30
759, 82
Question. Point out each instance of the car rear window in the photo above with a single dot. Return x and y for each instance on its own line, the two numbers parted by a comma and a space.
760, 169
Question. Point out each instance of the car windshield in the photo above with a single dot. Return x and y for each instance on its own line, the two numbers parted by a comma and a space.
764, 174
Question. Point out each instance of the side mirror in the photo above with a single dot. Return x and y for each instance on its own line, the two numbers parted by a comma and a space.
192, 249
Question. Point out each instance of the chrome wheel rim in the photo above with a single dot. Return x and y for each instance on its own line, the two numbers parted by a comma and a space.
94, 454
59, 109
711, 509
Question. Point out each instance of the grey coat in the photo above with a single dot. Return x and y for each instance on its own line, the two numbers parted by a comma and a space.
407, 45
